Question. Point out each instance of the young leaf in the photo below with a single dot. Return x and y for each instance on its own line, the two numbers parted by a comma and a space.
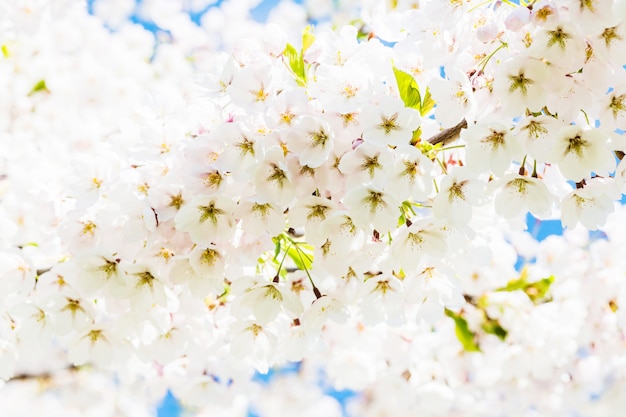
296, 64
492, 326
517, 284
40, 86
277, 242
428, 104
537, 291
417, 136
408, 88
307, 38
463, 333
401, 220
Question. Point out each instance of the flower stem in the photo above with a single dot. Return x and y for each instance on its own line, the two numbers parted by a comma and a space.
486, 59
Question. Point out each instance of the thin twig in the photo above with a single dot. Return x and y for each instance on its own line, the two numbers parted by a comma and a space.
43, 375
449, 135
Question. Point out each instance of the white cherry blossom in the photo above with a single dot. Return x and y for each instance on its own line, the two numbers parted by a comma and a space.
419, 241
457, 193
94, 344
517, 195
311, 139
366, 163
157, 188
490, 145
272, 178
454, 96
613, 109
589, 205
207, 218
520, 84
579, 152
372, 207
388, 122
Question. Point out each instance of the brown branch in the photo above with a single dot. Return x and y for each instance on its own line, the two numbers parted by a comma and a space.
448, 135
42, 271
43, 375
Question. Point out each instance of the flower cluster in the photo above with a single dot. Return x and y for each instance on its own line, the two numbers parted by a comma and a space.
350, 199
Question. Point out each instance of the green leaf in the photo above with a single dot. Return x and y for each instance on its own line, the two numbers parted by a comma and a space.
408, 88
493, 326
463, 332
307, 38
277, 242
362, 35
537, 291
407, 205
425, 147
514, 285
40, 86
517, 284
5, 51
428, 104
400, 274
295, 63
417, 136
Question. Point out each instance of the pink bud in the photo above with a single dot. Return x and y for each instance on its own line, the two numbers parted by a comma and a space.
519, 17
487, 33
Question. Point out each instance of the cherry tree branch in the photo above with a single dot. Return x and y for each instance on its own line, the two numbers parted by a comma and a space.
43, 375
448, 135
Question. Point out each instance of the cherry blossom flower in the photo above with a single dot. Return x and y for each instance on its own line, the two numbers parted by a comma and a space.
517, 195
382, 300
343, 89
420, 240
267, 301
490, 145
95, 344
321, 310
457, 193
209, 262
454, 97
561, 45
589, 205
388, 122
579, 152
372, 207
536, 133
163, 263
260, 338
310, 212
272, 178
520, 85
366, 163
70, 313
412, 174
311, 139
207, 219
260, 217
613, 110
